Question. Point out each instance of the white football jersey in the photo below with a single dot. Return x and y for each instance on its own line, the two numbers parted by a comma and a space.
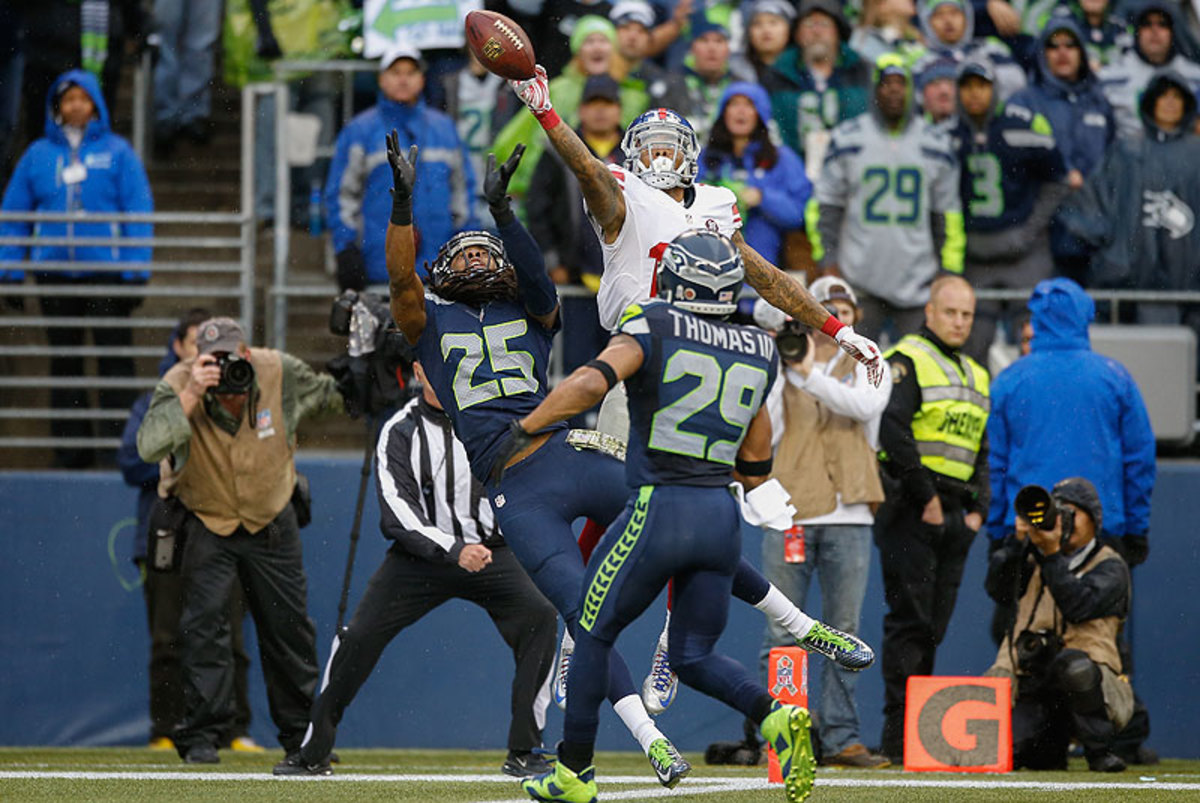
652, 219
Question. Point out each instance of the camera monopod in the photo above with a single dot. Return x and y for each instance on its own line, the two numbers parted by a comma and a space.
356, 527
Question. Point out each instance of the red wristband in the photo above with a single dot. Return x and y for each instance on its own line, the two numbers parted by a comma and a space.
832, 326
548, 119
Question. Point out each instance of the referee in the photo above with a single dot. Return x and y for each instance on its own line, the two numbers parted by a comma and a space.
447, 545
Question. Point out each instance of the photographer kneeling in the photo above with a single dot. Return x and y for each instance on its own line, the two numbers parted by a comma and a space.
226, 424
1061, 652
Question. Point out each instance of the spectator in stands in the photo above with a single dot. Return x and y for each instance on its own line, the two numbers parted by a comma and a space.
937, 84
768, 179
556, 220
634, 22
80, 165
357, 201
825, 459
886, 26
480, 103
707, 72
818, 82
1068, 95
1155, 48
1105, 35
163, 591
1012, 180
949, 27
183, 73
442, 549
554, 25
769, 26
1137, 209
594, 46
62, 35
1072, 593
230, 448
888, 212
936, 480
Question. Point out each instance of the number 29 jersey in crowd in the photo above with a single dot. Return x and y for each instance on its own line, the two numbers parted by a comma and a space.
487, 366
700, 385
652, 219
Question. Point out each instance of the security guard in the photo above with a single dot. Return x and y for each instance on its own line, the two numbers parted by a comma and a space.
225, 426
934, 452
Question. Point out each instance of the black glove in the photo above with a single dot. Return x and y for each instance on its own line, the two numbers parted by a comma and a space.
517, 440
351, 269
1137, 549
404, 177
495, 185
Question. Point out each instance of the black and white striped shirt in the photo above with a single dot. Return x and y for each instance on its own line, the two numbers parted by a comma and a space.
429, 502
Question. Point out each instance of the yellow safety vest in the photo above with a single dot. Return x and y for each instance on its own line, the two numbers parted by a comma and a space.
949, 426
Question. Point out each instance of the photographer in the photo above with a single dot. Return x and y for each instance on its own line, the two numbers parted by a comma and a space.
226, 422
1062, 651
826, 461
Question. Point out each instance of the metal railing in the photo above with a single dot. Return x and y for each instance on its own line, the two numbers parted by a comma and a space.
227, 275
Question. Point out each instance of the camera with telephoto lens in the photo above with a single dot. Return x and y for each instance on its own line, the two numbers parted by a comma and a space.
237, 374
371, 374
1036, 649
1035, 504
792, 340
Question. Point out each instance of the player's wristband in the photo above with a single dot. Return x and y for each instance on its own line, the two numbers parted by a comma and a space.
548, 119
832, 326
753, 468
401, 210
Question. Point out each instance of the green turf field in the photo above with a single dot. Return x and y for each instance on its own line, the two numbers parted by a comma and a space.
130, 774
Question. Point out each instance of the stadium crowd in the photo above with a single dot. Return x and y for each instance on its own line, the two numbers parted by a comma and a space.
899, 155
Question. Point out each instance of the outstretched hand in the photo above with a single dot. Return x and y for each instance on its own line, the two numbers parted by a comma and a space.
535, 92
495, 183
864, 350
404, 169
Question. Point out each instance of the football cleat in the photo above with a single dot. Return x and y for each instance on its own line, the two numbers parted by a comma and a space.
563, 784
847, 651
660, 686
562, 667
786, 729
669, 766
526, 765
294, 764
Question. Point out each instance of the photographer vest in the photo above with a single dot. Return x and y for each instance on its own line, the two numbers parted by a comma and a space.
949, 426
244, 479
822, 453
1096, 637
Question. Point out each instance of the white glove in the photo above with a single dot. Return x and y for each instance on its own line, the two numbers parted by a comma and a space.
535, 92
864, 350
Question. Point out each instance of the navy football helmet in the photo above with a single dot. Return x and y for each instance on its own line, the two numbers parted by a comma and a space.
702, 272
478, 279
668, 144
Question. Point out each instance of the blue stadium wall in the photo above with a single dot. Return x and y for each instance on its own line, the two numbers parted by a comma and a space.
73, 643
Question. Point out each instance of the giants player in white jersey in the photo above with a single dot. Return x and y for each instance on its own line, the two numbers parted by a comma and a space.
636, 211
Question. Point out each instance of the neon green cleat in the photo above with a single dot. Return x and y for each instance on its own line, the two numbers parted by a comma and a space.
668, 765
562, 784
846, 650
786, 730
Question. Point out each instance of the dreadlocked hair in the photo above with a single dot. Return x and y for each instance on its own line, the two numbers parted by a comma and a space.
478, 285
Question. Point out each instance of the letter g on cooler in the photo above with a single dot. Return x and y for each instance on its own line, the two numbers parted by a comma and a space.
958, 724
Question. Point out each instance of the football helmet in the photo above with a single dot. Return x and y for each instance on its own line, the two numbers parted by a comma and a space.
479, 280
661, 149
701, 272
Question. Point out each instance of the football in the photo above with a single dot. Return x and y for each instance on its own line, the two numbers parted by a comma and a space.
500, 45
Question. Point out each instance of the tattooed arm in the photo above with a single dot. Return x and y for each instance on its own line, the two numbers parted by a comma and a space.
603, 195
784, 292
778, 288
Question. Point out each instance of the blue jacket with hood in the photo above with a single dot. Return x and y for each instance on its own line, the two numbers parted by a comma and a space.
1010, 76
135, 471
1079, 114
115, 182
1065, 411
785, 187
358, 199
1140, 206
